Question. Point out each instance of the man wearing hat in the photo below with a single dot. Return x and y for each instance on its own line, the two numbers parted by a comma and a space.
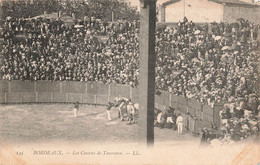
204, 136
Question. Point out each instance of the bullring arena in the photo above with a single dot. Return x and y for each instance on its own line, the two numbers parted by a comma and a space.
33, 121
45, 122
65, 66
33, 110
35, 129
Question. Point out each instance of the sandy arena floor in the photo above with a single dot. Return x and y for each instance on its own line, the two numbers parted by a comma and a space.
30, 129
40, 123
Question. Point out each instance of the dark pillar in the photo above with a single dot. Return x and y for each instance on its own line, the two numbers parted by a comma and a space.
147, 72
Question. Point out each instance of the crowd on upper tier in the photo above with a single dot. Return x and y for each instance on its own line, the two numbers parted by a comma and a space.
214, 61
27, 8
93, 8
49, 50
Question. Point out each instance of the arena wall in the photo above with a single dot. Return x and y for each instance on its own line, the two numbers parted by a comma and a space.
234, 12
101, 94
195, 10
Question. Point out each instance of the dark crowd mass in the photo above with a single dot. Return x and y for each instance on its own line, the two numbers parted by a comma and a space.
52, 51
202, 62
212, 62
93, 8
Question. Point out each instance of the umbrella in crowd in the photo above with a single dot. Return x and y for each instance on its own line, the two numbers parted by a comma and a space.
8, 18
78, 26
197, 32
225, 48
218, 37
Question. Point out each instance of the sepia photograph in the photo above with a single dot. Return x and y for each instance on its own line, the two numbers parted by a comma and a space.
129, 82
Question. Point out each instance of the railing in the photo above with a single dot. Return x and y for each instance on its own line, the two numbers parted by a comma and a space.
60, 92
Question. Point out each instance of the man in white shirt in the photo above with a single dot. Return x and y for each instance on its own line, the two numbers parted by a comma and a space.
159, 116
169, 119
161, 119
109, 106
179, 123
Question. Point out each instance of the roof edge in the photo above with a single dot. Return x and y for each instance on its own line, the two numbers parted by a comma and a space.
235, 3
170, 2
217, 1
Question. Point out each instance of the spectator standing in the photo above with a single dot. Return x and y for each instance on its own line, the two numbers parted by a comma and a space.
204, 136
179, 123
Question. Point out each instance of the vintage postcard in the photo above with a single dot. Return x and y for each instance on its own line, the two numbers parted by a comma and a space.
129, 82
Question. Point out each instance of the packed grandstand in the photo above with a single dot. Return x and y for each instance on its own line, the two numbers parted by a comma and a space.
211, 62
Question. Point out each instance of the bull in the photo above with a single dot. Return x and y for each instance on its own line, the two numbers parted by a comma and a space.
126, 109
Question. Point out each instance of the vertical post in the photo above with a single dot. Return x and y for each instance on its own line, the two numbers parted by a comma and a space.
162, 13
187, 104
213, 108
34, 86
9, 86
67, 98
81, 98
147, 72
131, 92
112, 16
86, 86
183, 8
109, 92
52, 97
202, 114
170, 99
37, 97
61, 87
5, 98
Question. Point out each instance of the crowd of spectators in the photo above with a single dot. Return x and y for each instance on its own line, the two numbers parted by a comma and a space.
48, 50
81, 8
216, 60
211, 63
103, 9
240, 121
27, 8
